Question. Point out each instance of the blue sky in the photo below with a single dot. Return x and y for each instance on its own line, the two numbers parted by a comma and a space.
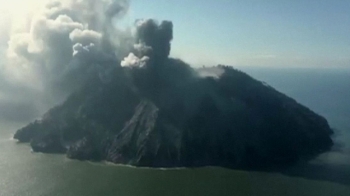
301, 33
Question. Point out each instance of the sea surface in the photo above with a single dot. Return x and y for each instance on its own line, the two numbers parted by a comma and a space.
23, 173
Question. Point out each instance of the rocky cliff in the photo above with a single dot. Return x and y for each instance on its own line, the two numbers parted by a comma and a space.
232, 120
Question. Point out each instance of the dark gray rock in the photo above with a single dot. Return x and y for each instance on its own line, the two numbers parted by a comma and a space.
48, 144
172, 118
148, 139
26, 134
85, 149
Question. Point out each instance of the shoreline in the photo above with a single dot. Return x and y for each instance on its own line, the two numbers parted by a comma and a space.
315, 171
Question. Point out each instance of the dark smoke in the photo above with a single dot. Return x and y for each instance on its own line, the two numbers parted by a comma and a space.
67, 42
157, 36
153, 41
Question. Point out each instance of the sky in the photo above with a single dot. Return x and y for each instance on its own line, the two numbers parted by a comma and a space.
282, 33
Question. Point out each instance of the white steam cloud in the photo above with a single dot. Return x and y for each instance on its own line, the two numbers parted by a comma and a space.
49, 48
133, 61
52, 47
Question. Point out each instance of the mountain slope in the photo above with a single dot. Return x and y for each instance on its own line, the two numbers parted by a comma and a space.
232, 120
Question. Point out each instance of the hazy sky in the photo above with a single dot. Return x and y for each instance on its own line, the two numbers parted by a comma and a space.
255, 32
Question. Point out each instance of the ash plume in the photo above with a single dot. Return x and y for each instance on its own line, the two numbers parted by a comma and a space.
57, 48
153, 41
157, 36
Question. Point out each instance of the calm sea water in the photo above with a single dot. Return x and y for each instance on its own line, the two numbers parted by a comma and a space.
35, 174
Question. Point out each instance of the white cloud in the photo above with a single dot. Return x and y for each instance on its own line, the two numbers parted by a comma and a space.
133, 61
80, 48
84, 36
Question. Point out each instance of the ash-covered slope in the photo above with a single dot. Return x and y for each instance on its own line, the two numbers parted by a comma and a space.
159, 112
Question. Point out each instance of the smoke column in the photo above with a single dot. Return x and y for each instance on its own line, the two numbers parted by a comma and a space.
51, 48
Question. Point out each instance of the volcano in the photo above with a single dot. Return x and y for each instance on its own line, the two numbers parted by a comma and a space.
157, 111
